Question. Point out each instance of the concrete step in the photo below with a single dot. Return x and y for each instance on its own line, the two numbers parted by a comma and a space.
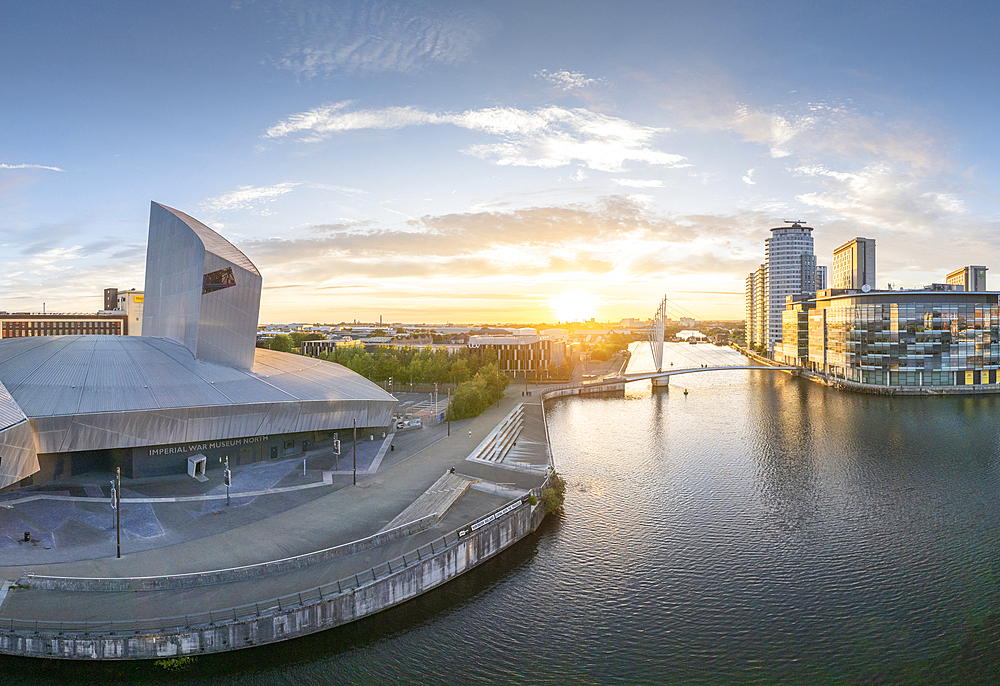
436, 500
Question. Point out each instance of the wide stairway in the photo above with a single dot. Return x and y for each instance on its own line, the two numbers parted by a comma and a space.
499, 442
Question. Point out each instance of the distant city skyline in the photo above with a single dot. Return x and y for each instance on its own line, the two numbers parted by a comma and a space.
471, 162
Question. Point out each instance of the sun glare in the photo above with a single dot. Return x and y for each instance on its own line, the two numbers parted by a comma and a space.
574, 306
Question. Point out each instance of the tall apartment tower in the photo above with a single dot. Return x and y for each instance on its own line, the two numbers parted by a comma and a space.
756, 307
972, 278
854, 264
790, 269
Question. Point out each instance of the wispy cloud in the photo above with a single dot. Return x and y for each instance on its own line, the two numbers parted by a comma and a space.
30, 166
247, 197
881, 198
748, 177
366, 37
567, 80
712, 101
639, 183
544, 137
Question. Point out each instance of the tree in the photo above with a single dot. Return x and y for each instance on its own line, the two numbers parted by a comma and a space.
281, 343
474, 396
298, 338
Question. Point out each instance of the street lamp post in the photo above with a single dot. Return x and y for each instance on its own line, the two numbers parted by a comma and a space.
117, 497
227, 476
355, 452
447, 412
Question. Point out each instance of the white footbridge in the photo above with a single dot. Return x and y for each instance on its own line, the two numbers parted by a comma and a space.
661, 377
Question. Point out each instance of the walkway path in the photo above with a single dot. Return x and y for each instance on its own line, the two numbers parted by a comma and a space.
279, 526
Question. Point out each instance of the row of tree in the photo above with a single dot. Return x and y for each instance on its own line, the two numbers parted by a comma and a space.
474, 396
412, 365
479, 383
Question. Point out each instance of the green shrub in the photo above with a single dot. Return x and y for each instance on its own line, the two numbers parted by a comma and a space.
554, 495
173, 664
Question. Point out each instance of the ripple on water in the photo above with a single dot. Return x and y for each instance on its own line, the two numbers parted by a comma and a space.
760, 530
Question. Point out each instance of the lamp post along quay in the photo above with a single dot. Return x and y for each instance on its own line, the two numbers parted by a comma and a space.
116, 506
355, 452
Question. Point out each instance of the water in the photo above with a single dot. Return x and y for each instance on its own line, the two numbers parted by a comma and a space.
759, 530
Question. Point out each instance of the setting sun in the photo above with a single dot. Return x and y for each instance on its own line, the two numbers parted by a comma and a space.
574, 306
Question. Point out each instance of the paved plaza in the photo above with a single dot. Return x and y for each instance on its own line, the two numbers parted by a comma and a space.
178, 525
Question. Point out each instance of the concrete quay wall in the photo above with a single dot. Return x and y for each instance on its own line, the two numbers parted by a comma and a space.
590, 389
480, 542
871, 389
222, 576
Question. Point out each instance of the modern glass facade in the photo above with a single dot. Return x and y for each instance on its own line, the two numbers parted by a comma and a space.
795, 330
791, 270
913, 338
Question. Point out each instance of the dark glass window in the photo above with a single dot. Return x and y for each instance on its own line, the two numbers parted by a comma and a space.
217, 280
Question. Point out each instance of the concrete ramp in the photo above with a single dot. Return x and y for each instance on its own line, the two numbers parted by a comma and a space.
4, 587
436, 500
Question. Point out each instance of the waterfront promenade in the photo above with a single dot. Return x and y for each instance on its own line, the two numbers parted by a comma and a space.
298, 515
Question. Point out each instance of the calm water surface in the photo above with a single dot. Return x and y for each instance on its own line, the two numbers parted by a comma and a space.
759, 530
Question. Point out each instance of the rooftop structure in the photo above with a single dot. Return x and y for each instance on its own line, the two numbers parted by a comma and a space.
200, 290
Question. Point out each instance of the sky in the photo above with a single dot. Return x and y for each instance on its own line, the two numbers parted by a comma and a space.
482, 162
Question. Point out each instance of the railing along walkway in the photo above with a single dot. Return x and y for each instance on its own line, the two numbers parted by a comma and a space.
303, 599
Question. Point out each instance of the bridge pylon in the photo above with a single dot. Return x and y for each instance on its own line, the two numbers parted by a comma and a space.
656, 334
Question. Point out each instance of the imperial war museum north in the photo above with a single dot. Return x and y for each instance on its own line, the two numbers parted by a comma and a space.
192, 389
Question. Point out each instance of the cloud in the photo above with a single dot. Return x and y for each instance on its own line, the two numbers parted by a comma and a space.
545, 137
30, 166
880, 198
748, 179
812, 131
616, 238
567, 80
639, 183
370, 37
247, 197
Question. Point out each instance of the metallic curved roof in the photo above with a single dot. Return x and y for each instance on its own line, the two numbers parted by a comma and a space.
72, 375
213, 242
10, 413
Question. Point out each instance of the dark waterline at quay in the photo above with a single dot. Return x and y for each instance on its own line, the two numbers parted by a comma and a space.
760, 529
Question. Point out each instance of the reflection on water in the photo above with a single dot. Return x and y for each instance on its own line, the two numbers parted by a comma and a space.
761, 529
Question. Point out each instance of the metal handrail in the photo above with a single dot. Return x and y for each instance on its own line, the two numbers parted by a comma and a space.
248, 611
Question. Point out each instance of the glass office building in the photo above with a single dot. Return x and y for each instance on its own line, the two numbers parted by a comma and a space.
906, 338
